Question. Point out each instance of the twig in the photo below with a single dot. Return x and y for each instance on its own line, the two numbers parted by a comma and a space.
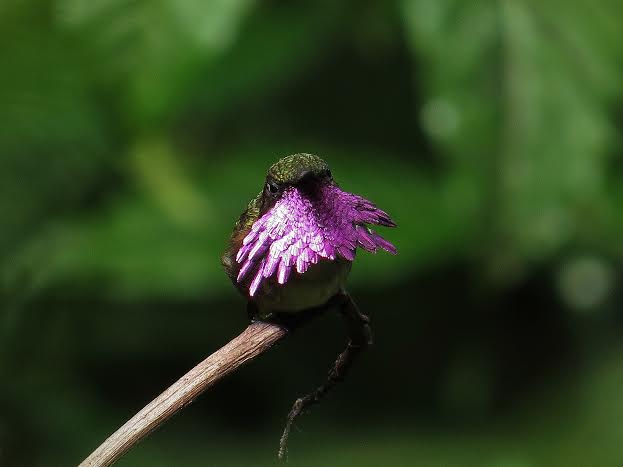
252, 342
360, 337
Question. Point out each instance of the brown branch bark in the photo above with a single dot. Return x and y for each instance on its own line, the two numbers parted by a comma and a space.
252, 342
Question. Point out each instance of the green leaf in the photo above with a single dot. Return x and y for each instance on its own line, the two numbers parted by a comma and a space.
164, 56
520, 94
155, 48
54, 139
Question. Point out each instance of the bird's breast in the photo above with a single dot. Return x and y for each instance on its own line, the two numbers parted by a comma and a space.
303, 291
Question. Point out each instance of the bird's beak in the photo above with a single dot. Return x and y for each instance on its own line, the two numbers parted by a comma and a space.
307, 182
304, 177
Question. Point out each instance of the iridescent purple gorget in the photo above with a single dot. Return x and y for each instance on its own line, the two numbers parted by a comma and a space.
300, 219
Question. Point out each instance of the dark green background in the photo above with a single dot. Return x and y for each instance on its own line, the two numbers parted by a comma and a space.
132, 134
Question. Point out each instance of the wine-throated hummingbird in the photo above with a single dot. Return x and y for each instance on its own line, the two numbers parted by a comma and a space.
292, 248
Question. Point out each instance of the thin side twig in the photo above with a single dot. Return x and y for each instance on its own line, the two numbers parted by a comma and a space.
252, 342
360, 337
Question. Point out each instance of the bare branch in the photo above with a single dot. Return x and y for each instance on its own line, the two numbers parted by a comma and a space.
252, 342
360, 337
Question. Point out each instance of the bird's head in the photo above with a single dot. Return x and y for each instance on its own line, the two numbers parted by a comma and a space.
302, 172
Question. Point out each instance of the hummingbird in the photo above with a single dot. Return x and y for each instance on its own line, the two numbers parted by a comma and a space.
293, 247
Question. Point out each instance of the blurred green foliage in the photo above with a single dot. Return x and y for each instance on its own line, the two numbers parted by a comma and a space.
132, 134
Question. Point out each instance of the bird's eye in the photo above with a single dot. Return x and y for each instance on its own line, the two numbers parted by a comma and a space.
329, 175
272, 188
